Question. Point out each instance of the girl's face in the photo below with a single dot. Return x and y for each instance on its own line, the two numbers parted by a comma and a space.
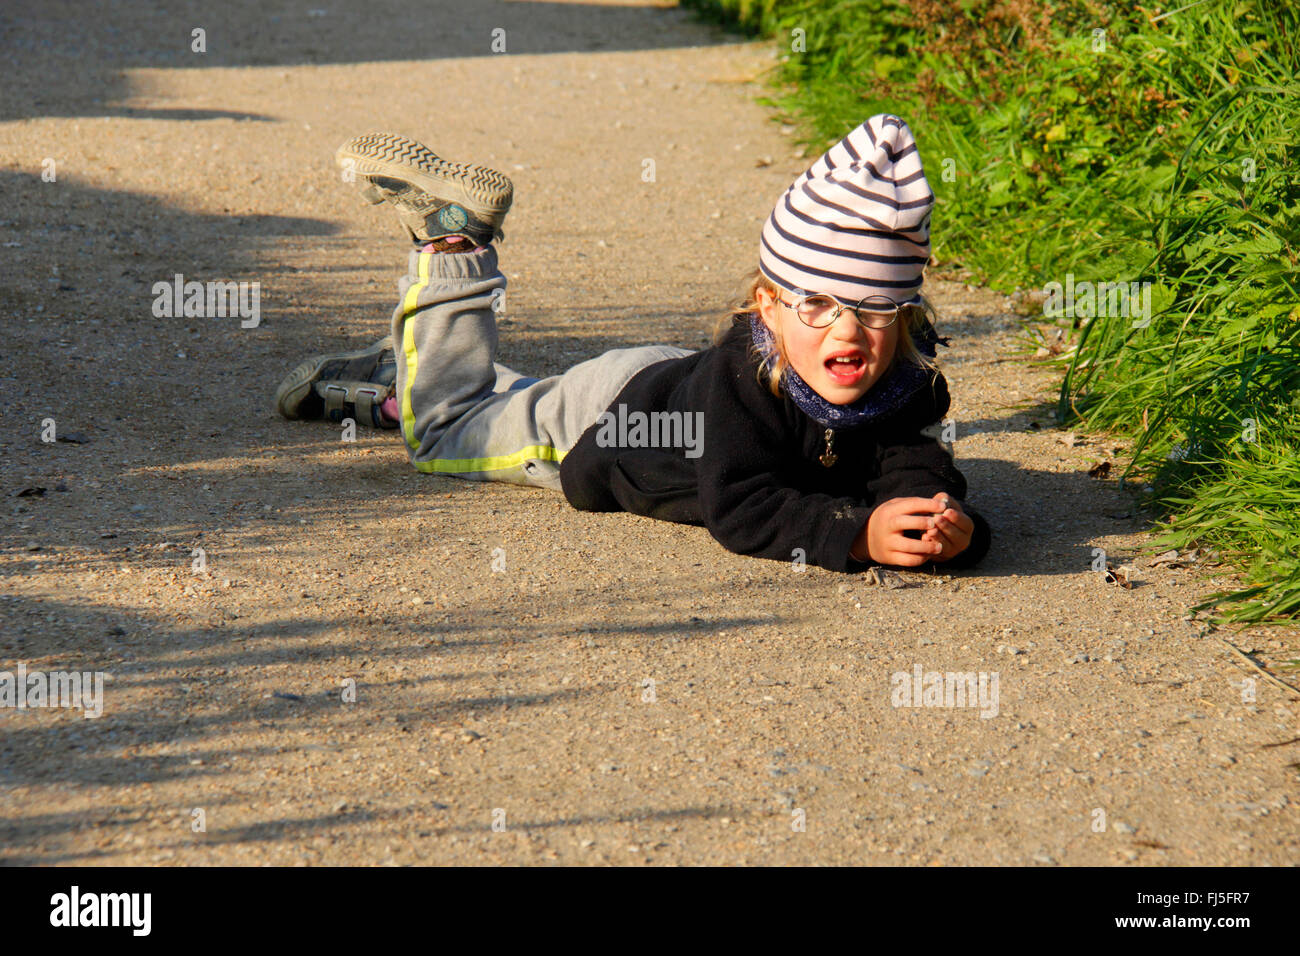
841, 362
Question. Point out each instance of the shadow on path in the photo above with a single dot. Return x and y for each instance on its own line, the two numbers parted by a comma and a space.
99, 43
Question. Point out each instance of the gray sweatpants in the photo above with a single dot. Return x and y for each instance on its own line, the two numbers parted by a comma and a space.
462, 413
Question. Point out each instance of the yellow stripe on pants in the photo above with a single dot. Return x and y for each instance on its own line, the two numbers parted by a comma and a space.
455, 466
408, 348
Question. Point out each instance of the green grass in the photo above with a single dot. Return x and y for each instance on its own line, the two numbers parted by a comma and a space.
1162, 150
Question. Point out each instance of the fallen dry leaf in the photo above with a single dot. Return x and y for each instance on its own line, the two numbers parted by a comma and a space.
1119, 575
886, 578
1172, 559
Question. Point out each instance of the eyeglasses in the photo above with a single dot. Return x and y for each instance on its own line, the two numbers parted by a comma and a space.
819, 310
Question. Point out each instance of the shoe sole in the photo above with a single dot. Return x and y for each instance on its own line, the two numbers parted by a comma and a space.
485, 192
297, 385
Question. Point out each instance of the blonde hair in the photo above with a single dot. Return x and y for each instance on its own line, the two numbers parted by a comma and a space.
773, 377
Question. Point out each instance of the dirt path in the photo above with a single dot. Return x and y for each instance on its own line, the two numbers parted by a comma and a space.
624, 691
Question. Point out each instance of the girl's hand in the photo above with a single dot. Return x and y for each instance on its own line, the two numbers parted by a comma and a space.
885, 542
951, 529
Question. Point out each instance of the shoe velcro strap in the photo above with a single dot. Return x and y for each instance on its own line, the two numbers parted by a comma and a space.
359, 401
366, 400
335, 402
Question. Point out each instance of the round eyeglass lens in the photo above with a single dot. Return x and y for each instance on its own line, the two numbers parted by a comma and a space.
877, 311
815, 309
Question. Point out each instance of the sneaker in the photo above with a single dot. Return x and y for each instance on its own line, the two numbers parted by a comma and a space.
344, 385
433, 197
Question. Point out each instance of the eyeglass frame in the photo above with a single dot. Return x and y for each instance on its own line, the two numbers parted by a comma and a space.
841, 306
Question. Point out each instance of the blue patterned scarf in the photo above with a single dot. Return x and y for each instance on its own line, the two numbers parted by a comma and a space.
886, 396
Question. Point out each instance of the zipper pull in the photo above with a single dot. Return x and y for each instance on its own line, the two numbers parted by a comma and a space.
829, 457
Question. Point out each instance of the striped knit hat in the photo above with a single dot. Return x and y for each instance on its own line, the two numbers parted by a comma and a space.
857, 223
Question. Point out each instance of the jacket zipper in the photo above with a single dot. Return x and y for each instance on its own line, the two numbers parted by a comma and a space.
828, 457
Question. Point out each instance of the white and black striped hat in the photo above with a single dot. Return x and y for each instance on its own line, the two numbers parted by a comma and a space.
857, 223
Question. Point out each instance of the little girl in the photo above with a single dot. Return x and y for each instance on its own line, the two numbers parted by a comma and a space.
805, 433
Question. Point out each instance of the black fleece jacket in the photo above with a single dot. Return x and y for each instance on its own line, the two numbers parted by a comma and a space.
758, 483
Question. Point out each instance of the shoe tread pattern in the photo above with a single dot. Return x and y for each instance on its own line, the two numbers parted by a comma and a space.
485, 185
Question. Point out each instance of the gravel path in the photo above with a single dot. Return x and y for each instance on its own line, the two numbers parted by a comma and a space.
624, 691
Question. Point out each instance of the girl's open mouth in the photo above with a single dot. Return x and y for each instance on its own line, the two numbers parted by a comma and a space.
846, 369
